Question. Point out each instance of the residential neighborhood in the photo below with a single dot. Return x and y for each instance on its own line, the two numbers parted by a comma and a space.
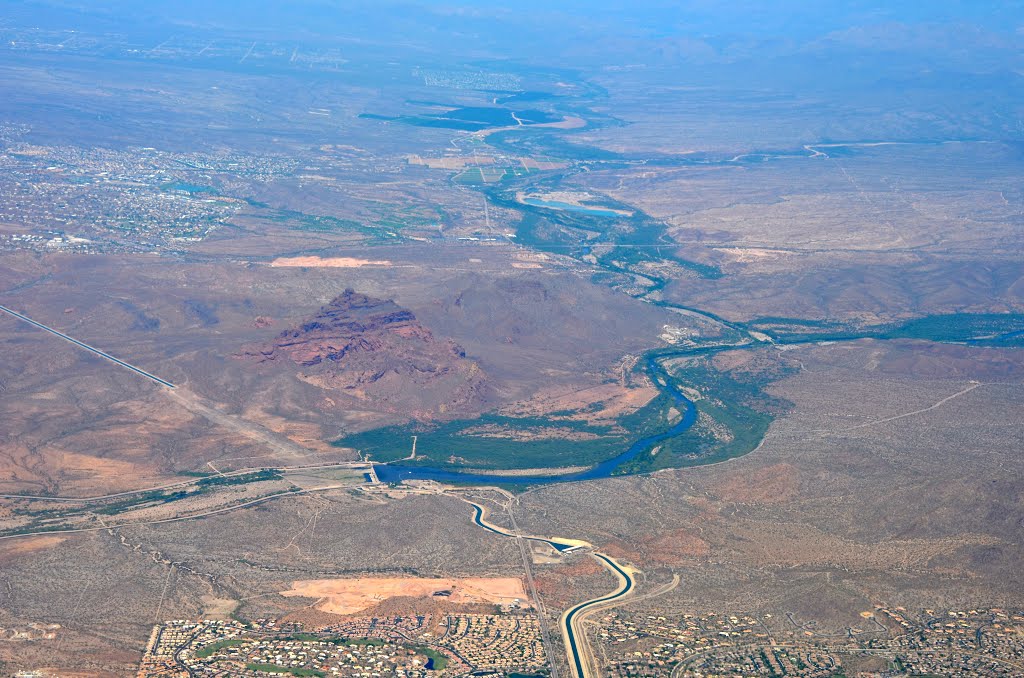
466, 644
980, 642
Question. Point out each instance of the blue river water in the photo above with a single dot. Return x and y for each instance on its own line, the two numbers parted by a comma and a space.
388, 473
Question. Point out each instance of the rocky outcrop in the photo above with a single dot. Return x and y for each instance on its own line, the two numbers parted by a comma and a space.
376, 351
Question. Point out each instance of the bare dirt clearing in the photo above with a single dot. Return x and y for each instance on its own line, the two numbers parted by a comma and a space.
348, 596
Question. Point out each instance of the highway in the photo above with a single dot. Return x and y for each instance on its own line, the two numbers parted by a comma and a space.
276, 442
87, 347
355, 465
178, 519
280, 444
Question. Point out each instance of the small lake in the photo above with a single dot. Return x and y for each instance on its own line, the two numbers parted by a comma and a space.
568, 207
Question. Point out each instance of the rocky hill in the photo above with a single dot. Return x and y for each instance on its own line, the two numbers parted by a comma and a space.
375, 351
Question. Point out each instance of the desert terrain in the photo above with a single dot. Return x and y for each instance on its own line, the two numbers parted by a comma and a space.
577, 349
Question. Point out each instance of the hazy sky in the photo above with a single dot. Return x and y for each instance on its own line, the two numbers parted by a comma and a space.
795, 19
973, 36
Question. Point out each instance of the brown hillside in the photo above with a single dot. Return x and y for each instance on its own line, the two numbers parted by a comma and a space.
376, 351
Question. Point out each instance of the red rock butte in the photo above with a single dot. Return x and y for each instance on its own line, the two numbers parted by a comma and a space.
378, 352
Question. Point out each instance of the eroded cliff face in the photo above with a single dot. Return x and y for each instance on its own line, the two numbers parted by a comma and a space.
376, 351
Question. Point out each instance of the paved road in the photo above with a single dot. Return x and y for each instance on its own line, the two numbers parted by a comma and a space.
87, 347
277, 442
178, 519
355, 465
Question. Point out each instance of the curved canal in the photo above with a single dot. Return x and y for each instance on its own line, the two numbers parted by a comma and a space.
478, 518
572, 642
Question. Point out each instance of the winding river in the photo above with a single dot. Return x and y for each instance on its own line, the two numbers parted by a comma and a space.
652, 234
388, 473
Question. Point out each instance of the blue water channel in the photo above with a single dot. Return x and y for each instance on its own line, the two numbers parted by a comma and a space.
582, 606
478, 518
388, 473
